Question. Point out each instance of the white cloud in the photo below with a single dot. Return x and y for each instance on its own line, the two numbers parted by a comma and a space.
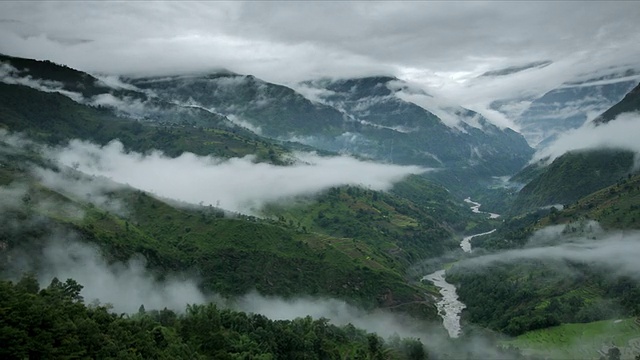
444, 45
617, 251
9, 75
620, 133
236, 184
94, 190
114, 82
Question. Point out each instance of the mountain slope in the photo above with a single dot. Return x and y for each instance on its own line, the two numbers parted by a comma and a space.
54, 118
277, 110
572, 176
576, 174
361, 116
630, 103
221, 251
386, 116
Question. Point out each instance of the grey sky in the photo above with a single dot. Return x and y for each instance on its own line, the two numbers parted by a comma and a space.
441, 45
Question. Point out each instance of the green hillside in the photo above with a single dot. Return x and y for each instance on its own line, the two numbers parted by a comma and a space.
220, 250
524, 295
572, 176
536, 294
614, 207
577, 174
348, 254
404, 231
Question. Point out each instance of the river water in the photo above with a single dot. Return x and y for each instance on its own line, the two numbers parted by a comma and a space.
449, 307
475, 207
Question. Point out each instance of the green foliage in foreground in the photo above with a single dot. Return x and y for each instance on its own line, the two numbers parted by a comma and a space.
55, 323
582, 341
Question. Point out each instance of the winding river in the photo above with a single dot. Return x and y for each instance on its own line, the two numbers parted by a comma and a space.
449, 307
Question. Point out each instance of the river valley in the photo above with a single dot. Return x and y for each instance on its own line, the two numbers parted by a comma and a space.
449, 306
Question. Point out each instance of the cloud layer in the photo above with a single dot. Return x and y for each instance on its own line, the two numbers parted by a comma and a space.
236, 184
620, 133
617, 251
444, 46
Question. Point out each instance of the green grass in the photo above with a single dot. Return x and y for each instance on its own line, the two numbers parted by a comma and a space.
581, 341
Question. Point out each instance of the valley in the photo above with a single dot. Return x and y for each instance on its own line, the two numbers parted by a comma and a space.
222, 215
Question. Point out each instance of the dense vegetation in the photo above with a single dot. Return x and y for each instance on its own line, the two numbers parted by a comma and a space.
517, 297
222, 250
54, 322
613, 207
394, 225
343, 261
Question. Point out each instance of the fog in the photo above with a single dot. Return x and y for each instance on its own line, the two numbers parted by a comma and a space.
125, 286
94, 190
617, 251
236, 184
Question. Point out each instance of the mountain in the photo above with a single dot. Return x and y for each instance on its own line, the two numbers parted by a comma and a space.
586, 186
278, 111
377, 120
434, 133
578, 173
358, 249
572, 104
110, 93
360, 116
221, 249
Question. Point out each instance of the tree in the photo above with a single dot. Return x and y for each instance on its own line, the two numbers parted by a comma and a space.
613, 354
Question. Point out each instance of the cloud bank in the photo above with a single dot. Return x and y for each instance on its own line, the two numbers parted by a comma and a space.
620, 133
444, 46
236, 184
617, 251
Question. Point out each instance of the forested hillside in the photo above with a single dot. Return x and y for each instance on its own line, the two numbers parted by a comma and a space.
66, 327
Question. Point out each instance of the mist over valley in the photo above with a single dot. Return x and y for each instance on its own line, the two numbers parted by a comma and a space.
319, 180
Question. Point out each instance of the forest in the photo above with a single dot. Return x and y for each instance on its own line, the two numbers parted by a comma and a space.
55, 323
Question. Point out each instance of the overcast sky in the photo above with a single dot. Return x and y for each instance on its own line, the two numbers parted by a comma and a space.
441, 45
